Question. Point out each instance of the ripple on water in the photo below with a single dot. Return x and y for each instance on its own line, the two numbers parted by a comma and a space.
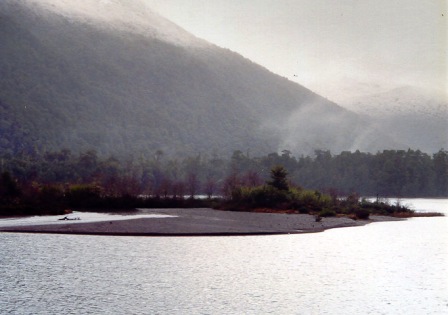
382, 268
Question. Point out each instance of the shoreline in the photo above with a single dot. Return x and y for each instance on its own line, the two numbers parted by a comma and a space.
200, 222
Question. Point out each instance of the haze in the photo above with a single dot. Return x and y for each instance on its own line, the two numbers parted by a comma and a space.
339, 49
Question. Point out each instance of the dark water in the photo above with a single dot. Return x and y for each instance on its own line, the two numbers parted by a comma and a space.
381, 268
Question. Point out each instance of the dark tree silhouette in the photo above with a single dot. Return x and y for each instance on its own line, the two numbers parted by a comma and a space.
278, 178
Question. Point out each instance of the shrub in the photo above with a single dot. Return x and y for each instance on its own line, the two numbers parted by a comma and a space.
267, 196
308, 197
325, 200
237, 194
84, 196
326, 212
303, 209
362, 214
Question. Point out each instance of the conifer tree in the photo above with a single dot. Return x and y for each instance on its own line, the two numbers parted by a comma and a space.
278, 178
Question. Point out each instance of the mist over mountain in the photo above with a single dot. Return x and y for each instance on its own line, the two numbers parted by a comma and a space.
113, 76
413, 116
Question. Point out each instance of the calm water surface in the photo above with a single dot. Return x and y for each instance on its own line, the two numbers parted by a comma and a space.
382, 268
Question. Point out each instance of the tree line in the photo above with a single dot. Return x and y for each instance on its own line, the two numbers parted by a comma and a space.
398, 173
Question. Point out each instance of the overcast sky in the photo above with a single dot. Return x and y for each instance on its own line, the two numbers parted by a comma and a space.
339, 49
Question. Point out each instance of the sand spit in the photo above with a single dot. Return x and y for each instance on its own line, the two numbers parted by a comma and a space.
200, 222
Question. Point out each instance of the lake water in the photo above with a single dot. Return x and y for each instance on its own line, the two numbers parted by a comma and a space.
382, 268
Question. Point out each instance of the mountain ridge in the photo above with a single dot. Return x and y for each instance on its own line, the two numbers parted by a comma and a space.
413, 115
108, 15
75, 85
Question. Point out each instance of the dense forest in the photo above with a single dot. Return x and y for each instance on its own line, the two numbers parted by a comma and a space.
120, 92
396, 173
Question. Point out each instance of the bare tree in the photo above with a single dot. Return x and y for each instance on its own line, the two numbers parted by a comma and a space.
210, 187
164, 188
251, 179
230, 183
193, 184
178, 189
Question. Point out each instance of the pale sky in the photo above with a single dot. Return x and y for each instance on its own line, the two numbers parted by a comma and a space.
339, 49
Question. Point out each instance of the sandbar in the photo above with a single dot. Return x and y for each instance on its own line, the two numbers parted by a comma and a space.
200, 222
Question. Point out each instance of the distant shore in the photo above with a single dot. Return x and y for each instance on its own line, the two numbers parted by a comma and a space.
201, 222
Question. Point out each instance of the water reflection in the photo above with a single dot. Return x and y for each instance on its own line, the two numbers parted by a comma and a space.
382, 268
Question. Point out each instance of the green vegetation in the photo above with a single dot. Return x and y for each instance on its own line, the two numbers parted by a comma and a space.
56, 181
279, 196
391, 173
40, 199
100, 186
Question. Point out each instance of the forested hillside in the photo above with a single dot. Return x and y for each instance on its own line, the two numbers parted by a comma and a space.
390, 173
68, 81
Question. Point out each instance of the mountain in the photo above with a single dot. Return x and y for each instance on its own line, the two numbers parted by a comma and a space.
411, 115
113, 76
